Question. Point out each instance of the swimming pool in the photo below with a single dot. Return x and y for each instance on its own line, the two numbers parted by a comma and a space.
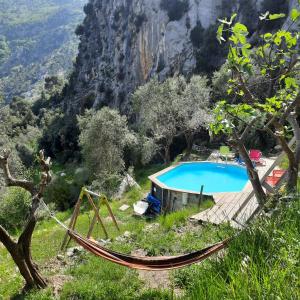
215, 177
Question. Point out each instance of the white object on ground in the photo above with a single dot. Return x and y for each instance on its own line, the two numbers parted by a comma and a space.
124, 207
126, 183
140, 207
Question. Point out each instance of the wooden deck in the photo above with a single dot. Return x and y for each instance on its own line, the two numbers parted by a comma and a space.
236, 207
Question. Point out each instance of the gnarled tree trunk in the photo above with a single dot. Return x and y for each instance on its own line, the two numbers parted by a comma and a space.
20, 250
253, 175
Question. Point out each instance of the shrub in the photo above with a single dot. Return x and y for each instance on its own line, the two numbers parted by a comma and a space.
175, 8
196, 35
139, 20
14, 208
79, 30
26, 155
62, 192
88, 9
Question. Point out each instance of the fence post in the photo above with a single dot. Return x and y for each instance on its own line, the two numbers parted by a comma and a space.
201, 195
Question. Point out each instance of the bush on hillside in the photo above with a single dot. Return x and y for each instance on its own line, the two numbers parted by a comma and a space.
88, 9
63, 190
79, 30
175, 8
196, 35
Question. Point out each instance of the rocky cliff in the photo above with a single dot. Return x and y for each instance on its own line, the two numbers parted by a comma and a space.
125, 42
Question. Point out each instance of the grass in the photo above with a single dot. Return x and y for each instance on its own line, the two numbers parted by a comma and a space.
48, 235
262, 262
178, 217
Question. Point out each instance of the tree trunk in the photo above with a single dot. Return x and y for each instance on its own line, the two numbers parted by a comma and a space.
293, 156
21, 254
21, 251
253, 175
167, 154
189, 137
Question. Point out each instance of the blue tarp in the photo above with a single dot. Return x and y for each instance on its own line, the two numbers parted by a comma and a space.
154, 203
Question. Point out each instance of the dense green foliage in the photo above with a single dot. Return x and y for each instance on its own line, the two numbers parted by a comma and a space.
13, 208
175, 107
36, 40
103, 138
264, 84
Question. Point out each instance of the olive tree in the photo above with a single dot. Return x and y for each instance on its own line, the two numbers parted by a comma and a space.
103, 138
273, 65
172, 108
20, 248
156, 106
193, 108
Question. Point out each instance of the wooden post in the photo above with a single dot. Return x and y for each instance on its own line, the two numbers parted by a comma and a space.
104, 200
73, 220
92, 226
200, 196
96, 217
97, 214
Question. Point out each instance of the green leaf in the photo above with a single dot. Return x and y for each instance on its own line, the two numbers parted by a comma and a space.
234, 39
240, 28
220, 33
295, 14
276, 16
263, 72
268, 36
290, 82
281, 77
232, 18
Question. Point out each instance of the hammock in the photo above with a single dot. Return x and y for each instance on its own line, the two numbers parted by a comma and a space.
157, 263
147, 263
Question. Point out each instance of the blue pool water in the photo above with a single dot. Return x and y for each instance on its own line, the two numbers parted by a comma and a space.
214, 177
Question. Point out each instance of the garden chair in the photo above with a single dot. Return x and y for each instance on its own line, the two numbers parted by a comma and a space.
225, 153
275, 177
256, 157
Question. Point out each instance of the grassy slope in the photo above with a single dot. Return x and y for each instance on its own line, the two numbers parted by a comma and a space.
159, 242
262, 262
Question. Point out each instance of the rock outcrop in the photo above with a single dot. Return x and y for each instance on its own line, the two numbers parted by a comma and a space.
125, 42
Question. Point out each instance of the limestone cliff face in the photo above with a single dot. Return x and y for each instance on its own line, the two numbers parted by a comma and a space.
125, 42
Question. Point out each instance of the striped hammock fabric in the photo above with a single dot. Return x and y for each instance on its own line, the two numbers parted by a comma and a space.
148, 263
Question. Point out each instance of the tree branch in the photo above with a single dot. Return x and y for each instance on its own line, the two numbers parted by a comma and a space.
6, 240
247, 129
290, 108
285, 146
10, 180
292, 119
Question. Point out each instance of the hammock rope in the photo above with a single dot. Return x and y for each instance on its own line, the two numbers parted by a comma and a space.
158, 263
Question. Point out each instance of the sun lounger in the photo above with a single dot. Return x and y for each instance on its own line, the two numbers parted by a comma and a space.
256, 157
